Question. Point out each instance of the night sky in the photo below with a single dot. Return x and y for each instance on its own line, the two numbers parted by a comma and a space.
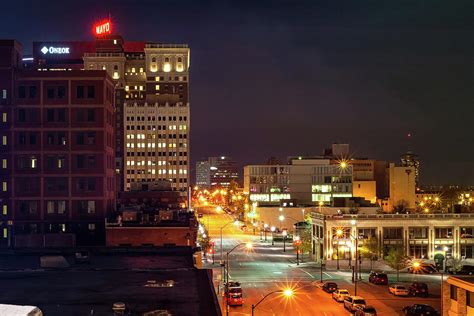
279, 78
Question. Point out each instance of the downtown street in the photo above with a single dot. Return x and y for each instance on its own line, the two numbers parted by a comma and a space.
267, 268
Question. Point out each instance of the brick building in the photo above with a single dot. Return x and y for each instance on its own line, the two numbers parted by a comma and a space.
57, 155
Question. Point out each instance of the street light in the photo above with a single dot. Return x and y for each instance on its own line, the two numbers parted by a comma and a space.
272, 229
284, 233
248, 246
236, 222
339, 233
287, 293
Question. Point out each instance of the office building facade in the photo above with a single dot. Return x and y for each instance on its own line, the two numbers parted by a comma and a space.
57, 155
203, 174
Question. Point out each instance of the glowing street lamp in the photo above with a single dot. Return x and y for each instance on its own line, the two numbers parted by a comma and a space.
286, 293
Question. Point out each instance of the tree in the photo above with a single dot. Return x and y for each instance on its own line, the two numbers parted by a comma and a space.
370, 249
397, 259
455, 264
400, 206
306, 241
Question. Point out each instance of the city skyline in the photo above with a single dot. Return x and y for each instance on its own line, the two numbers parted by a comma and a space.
355, 62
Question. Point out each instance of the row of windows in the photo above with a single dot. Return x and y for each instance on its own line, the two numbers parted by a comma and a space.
138, 179
160, 154
153, 145
158, 163
56, 92
160, 171
152, 136
58, 184
153, 118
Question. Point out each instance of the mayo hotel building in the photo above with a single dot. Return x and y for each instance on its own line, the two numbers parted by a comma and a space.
152, 120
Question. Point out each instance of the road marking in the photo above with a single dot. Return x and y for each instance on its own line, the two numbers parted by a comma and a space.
307, 273
277, 272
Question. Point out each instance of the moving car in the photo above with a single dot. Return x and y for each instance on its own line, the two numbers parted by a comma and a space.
398, 290
340, 294
420, 310
365, 311
418, 289
234, 295
329, 287
351, 302
378, 278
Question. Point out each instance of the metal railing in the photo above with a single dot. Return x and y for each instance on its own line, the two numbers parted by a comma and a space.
155, 45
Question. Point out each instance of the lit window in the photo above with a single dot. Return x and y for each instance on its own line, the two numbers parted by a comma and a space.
4, 186
157, 87
34, 163
103, 67
91, 226
5, 209
5, 233
116, 75
141, 69
166, 67
4, 163
126, 88
90, 207
141, 88
133, 69
63, 227
115, 42
179, 67
157, 78
4, 117
4, 140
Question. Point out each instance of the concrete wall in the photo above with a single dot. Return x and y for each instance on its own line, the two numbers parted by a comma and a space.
156, 236
366, 190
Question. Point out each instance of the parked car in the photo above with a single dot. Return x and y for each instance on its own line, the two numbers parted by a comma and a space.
466, 270
365, 311
424, 268
420, 310
340, 294
378, 278
418, 289
329, 287
398, 290
82, 257
351, 302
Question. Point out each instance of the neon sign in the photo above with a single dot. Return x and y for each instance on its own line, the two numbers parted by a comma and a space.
55, 50
103, 28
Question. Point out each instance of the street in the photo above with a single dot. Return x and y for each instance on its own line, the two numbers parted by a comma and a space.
267, 268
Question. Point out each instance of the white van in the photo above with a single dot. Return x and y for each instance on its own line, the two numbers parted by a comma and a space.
19, 310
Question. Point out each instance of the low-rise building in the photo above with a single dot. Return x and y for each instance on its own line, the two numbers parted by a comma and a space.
458, 296
421, 235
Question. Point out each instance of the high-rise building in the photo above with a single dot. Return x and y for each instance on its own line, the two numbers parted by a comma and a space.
203, 174
151, 84
409, 159
57, 154
223, 170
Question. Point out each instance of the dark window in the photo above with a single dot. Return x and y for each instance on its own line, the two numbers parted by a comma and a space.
22, 138
90, 138
90, 115
21, 115
80, 139
91, 161
32, 139
91, 92
62, 138
61, 92
91, 184
80, 92
470, 299
80, 161
21, 92
50, 92
32, 92
454, 292
61, 115
50, 115
50, 139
